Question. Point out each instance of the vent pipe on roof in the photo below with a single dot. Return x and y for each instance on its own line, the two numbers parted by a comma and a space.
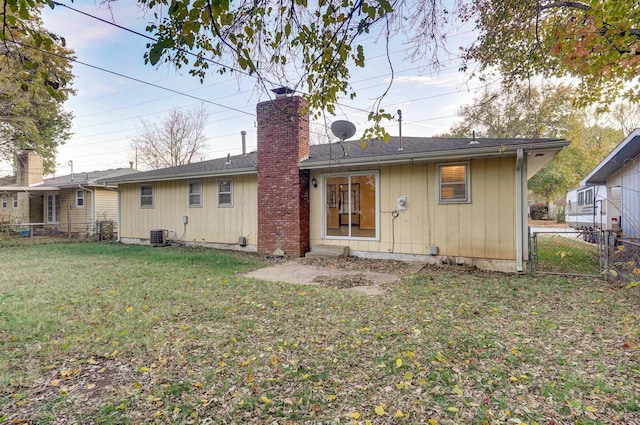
244, 142
400, 129
228, 159
473, 139
71, 165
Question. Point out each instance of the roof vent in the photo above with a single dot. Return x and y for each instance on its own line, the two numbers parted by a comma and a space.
473, 139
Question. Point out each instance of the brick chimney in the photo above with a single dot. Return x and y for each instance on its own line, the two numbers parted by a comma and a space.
29, 168
283, 189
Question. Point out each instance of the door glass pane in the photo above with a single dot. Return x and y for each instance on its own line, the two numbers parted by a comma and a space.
350, 206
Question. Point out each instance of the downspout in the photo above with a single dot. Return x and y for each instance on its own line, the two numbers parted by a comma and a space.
93, 203
119, 215
520, 198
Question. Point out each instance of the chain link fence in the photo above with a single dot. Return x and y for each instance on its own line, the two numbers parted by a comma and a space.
585, 253
13, 233
568, 252
624, 262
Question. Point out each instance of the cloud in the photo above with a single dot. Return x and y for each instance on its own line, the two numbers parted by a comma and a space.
441, 80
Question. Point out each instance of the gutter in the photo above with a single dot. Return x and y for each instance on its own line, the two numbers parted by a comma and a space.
453, 154
119, 217
217, 173
93, 202
520, 199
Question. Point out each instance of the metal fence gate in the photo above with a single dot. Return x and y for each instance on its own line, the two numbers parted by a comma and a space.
570, 252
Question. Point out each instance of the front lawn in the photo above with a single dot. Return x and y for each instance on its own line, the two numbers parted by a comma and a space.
112, 334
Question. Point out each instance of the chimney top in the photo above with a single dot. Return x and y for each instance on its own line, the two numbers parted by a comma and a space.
282, 91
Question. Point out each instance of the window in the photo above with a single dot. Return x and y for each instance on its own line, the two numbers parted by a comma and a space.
53, 208
351, 206
581, 198
15, 200
80, 198
453, 183
225, 192
146, 196
195, 194
4, 201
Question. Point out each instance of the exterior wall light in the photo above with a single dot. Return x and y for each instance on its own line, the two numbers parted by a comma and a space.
314, 182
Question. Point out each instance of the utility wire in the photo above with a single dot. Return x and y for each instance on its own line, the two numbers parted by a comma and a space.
131, 78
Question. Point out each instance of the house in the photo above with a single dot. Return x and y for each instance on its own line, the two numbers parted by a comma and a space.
414, 198
71, 204
619, 172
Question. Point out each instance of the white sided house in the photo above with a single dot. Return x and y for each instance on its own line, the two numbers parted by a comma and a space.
439, 200
619, 173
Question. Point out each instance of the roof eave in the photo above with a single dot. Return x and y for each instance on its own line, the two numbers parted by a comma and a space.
608, 166
448, 155
214, 173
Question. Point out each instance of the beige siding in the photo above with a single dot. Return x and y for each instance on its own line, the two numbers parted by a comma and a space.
106, 205
482, 228
80, 218
15, 215
206, 224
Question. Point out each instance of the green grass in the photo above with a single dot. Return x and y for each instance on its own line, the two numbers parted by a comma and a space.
567, 254
114, 334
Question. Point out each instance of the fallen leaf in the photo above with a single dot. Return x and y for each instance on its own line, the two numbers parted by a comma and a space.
265, 400
354, 415
379, 410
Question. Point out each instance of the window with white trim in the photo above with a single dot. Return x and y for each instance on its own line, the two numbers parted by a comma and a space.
225, 192
453, 183
194, 194
80, 198
146, 196
4, 201
15, 200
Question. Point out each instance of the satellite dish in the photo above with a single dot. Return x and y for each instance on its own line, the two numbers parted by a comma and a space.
343, 129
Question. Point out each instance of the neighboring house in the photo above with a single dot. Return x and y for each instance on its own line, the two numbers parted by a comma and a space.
429, 199
71, 204
620, 173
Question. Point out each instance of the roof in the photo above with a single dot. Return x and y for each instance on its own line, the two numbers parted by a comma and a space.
628, 149
229, 165
86, 179
91, 178
421, 149
350, 153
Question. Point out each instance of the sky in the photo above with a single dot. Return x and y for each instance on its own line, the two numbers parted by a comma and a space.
116, 90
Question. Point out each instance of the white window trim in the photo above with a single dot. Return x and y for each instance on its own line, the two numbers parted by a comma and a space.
189, 204
467, 187
376, 173
15, 201
78, 198
225, 205
55, 214
4, 201
153, 195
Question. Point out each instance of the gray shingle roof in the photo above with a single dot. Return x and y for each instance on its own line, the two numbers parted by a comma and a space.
87, 178
420, 148
375, 151
238, 164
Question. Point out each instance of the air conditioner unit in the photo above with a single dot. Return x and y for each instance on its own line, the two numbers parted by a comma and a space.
158, 237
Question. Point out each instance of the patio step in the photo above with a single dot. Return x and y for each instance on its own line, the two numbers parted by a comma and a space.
327, 251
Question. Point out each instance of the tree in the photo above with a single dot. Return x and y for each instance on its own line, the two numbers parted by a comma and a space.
517, 110
175, 140
312, 46
595, 42
34, 82
522, 111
